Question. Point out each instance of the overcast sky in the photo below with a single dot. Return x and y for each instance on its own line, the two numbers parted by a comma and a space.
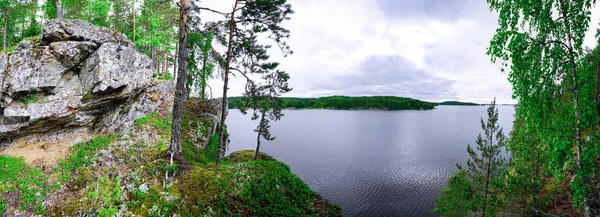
431, 50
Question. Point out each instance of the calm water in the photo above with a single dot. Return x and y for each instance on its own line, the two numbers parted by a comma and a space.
372, 163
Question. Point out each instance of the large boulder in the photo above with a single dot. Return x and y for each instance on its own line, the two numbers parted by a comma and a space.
79, 30
78, 76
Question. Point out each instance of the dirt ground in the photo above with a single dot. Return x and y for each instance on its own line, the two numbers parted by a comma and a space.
44, 153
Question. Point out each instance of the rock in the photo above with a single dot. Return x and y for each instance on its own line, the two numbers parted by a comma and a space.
113, 67
78, 78
25, 45
78, 30
121, 120
32, 70
71, 53
196, 109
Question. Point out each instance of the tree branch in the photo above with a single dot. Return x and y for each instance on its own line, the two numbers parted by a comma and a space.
211, 10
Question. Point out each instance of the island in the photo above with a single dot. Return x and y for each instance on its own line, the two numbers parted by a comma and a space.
346, 103
458, 103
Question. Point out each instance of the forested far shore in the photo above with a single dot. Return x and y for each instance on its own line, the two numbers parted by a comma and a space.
458, 103
345, 103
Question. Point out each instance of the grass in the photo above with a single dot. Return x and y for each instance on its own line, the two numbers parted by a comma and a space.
154, 121
20, 180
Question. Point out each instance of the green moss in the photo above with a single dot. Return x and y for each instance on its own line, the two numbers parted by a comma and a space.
88, 97
195, 135
253, 188
30, 184
247, 155
30, 99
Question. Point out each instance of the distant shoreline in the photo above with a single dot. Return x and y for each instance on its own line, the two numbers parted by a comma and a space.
390, 103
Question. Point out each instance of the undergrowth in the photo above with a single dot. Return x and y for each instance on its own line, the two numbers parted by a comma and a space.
29, 185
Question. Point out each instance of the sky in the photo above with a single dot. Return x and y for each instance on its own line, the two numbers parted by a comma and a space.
431, 50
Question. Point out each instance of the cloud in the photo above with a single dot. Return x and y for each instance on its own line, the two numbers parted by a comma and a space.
430, 49
389, 75
433, 9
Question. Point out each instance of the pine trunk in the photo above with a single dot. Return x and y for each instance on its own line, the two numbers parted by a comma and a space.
222, 139
175, 147
487, 173
204, 77
59, 10
262, 118
133, 18
6, 17
175, 61
166, 63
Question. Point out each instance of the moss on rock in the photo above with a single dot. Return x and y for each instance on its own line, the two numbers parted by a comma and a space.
247, 155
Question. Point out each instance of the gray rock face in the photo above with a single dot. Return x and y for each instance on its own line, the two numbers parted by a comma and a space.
79, 30
71, 53
31, 70
79, 76
112, 67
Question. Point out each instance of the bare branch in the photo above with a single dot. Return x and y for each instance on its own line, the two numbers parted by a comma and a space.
211, 10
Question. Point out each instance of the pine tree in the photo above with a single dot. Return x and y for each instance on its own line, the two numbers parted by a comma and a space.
484, 168
263, 99
245, 55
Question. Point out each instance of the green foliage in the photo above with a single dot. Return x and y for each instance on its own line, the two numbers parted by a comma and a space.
19, 18
105, 194
154, 30
156, 122
30, 184
97, 11
347, 103
200, 66
82, 154
12, 48
541, 46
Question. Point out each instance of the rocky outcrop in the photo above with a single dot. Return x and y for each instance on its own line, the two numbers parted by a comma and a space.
78, 76
197, 112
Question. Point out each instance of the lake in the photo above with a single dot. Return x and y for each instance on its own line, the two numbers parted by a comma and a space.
372, 163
